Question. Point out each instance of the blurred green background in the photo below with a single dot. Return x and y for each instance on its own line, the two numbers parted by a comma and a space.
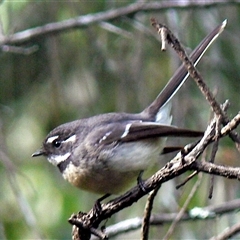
83, 72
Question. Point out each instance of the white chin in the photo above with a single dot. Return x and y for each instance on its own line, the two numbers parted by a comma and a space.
56, 159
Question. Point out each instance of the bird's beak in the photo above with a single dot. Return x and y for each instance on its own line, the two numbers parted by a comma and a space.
39, 152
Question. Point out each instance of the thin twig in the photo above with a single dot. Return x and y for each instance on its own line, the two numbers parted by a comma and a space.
231, 125
19, 50
228, 233
192, 175
114, 29
90, 19
147, 213
183, 209
214, 152
193, 72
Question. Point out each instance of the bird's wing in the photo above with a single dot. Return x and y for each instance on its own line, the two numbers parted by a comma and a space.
137, 130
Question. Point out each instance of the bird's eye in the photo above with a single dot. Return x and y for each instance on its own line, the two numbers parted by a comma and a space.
56, 143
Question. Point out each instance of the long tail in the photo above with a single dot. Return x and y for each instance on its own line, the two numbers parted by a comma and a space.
181, 74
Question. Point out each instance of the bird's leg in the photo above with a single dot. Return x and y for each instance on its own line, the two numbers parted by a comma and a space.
97, 208
140, 182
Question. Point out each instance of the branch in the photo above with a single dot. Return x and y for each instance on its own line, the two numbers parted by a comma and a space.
147, 213
211, 168
194, 73
196, 213
183, 209
89, 19
228, 233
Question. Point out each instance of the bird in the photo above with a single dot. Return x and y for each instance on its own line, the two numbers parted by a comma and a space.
105, 154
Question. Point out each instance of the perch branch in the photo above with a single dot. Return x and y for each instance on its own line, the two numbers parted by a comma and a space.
109, 15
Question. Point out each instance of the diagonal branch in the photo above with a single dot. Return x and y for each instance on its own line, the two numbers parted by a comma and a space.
147, 213
194, 73
228, 232
89, 19
183, 209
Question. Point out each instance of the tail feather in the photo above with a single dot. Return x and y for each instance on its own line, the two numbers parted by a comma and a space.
181, 74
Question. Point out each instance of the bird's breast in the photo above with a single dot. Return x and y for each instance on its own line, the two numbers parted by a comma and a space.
100, 181
113, 170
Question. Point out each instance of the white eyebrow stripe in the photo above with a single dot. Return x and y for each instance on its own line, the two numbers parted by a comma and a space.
126, 130
51, 139
71, 139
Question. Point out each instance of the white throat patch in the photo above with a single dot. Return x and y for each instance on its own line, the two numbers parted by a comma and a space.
56, 159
